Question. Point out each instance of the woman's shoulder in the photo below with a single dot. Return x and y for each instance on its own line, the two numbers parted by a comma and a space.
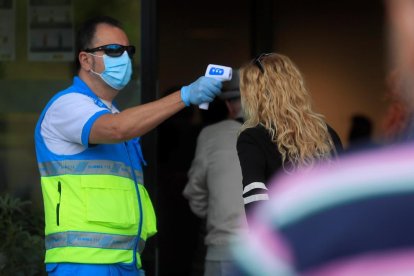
335, 138
258, 134
332, 131
256, 131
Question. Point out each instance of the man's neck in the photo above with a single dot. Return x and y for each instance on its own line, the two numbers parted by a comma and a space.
99, 87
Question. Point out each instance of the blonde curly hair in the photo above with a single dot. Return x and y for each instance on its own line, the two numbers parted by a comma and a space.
273, 94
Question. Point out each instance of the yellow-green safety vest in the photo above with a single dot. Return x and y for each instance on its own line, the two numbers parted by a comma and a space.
97, 209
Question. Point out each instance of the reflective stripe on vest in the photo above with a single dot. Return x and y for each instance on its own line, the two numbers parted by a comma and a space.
88, 167
97, 240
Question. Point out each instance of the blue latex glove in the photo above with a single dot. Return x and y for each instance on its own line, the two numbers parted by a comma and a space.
203, 90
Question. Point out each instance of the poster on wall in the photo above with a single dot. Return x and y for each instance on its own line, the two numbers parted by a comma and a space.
50, 31
7, 30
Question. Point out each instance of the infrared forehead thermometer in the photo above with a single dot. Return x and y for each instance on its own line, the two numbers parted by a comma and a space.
218, 72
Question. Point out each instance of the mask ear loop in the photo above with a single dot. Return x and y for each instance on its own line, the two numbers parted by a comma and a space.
93, 71
95, 55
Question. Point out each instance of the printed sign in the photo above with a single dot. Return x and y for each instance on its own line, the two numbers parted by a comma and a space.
50, 28
7, 30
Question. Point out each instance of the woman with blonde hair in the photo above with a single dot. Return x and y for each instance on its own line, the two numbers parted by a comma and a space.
281, 131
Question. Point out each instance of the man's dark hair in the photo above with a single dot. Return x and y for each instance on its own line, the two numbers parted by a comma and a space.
86, 33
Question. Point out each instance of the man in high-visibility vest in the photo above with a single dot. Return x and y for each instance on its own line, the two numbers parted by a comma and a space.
98, 214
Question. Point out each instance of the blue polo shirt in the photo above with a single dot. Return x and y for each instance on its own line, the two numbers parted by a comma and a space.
65, 128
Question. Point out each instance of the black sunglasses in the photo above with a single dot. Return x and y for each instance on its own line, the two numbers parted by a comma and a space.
258, 61
113, 50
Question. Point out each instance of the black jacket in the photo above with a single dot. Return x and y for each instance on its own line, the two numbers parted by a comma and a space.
260, 159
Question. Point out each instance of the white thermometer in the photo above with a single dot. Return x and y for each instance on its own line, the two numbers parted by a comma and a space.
219, 72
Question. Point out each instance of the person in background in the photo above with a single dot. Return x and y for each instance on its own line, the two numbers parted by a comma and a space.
360, 134
98, 213
401, 61
214, 184
352, 219
397, 117
281, 132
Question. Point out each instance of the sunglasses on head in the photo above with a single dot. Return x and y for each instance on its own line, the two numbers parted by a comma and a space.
113, 50
258, 61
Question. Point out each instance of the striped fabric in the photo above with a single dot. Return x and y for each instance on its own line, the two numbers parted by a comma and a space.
342, 220
255, 191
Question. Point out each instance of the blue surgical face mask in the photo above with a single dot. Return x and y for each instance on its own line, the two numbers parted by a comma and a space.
118, 70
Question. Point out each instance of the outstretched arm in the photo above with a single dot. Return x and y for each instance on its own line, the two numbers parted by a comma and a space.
138, 120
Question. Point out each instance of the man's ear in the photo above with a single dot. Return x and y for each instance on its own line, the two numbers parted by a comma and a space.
85, 61
230, 108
